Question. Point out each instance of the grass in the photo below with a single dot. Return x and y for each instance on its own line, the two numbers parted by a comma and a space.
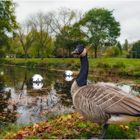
120, 66
10, 129
129, 63
70, 126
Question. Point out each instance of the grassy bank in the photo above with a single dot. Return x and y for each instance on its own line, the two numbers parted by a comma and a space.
70, 126
118, 66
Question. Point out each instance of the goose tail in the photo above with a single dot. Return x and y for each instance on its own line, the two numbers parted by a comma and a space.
132, 106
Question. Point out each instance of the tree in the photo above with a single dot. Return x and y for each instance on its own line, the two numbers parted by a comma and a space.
7, 19
63, 17
135, 51
119, 46
65, 29
100, 28
125, 46
68, 38
41, 23
25, 34
112, 51
15, 46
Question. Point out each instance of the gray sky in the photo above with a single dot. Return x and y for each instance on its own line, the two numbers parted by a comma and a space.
127, 12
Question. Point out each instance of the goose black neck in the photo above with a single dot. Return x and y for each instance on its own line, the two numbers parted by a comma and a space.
82, 77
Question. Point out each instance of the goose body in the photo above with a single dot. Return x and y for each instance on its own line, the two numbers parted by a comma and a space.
98, 102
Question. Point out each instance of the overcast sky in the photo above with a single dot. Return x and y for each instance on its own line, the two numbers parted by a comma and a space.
127, 12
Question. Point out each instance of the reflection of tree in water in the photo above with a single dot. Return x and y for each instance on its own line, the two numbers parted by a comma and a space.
7, 112
63, 89
1, 84
32, 102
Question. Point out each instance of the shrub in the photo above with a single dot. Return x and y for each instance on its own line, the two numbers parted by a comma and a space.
103, 65
119, 65
112, 52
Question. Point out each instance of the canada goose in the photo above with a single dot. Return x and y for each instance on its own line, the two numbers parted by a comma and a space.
98, 102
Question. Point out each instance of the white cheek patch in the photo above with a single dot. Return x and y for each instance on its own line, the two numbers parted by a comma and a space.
84, 52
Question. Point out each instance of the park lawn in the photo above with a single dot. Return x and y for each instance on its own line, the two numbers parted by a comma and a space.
92, 61
122, 66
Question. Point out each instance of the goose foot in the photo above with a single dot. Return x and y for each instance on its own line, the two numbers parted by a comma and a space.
103, 132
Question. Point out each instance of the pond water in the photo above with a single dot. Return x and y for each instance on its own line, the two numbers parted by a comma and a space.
23, 102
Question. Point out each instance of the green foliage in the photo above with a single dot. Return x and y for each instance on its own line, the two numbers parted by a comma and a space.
128, 67
119, 46
67, 39
7, 19
103, 65
100, 27
2, 53
118, 65
44, 44
126, 45
128, 131
135, 51
112, 52
10, 129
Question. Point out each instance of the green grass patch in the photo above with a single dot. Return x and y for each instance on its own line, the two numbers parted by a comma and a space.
121, 66
9, 130
70, 126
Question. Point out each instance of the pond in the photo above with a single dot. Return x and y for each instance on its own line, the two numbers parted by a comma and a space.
23, 101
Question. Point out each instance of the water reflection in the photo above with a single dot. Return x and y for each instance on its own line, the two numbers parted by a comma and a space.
7, 111
1, 73
24, 101
37, 78
129, 89
68, 78
37, 81
37, 85
34, 101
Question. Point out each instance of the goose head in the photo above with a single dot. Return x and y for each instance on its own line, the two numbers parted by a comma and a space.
80, 50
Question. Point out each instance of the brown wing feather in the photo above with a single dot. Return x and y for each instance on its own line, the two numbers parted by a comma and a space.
109, 99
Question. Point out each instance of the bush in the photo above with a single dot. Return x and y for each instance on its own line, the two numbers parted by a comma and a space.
118, 65
2, 54
112, 52
135, 51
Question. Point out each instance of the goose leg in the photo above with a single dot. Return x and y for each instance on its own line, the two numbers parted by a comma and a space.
104, 129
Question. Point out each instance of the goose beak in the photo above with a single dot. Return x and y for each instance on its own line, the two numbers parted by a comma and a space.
74, 52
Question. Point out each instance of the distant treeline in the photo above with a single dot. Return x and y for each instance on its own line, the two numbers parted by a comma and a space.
56, 33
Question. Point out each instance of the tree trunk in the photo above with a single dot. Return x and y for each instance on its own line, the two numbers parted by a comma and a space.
26, 54
95, 52
42, 54
69, 51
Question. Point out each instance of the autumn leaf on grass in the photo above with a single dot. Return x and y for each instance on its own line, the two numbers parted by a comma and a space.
19, 136
35, 127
